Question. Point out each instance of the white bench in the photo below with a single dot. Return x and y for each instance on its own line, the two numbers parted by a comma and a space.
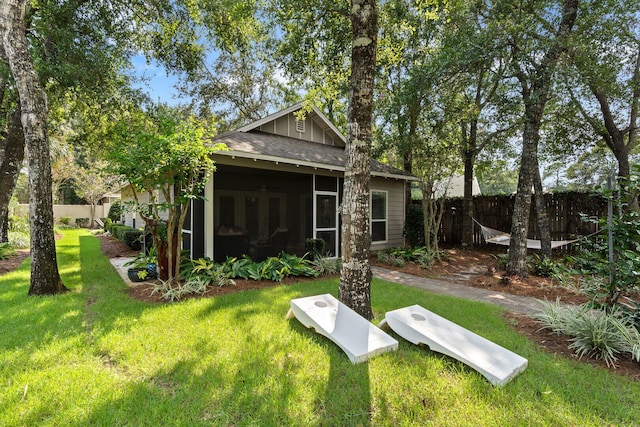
420, 326
355, 335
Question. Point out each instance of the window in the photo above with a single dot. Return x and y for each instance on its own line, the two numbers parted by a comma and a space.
378, 216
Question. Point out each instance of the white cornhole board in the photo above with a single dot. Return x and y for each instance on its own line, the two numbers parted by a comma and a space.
355, 335
420, 326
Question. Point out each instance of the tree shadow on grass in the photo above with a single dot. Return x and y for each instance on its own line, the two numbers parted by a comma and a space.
238, 385
347, 395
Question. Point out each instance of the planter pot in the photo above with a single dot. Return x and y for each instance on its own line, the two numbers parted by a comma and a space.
133, 275
152, 271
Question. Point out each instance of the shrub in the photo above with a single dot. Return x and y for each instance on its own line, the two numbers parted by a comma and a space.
118, 231
19, 240
82, 222
132, 238
422, 256
6, 250
413, 226
325, 265
194, 286
235, 267
594, 333
390, 259
208, 272
626, 248
65, 220
502, 260
19, 224
115, 211
314, 247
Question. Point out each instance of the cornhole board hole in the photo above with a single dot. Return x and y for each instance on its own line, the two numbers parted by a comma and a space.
355, 335
420, 326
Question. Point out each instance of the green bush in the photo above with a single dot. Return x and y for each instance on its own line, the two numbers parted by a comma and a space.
325, 265
422, 256
6, 250
132, 238
273, 268
19, 240
390, 259
502, 260
65, 220
413, 229
196, 285
594, 333
113, 229
82, 222
19, 224
115, 211
314, 247
594, 258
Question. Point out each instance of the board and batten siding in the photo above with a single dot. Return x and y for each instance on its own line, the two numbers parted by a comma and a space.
143, 198
395, 211
286, 126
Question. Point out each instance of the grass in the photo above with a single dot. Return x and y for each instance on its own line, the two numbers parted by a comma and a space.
95, 357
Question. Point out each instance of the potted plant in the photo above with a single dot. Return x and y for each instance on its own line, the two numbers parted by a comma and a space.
143, 266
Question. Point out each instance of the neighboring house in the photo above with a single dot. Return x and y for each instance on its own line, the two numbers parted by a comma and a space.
455, 187
279, 184
130, 216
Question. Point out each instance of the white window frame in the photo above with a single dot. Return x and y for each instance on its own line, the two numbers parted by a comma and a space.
377, 220
335, 229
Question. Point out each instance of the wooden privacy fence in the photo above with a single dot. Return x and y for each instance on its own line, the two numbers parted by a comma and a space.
564, 211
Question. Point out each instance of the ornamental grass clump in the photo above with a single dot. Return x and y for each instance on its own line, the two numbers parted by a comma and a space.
595, 333
325, 266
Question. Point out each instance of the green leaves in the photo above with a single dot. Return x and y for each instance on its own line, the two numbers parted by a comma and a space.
594, 334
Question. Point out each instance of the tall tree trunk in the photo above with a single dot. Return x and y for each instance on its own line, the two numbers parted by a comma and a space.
536, 88
355, 276
469, 153
517, 264
407, 155
10, 164
45, 278
542, 214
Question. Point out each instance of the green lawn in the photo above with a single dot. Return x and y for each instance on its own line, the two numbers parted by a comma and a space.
95, 357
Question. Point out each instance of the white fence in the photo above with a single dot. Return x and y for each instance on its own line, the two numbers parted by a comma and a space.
72, 211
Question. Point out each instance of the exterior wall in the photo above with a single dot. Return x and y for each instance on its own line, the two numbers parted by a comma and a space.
132, 219
395, 211
394, 189
73, 211
286, 126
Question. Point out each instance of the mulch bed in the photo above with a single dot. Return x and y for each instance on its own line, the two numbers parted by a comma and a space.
13, 262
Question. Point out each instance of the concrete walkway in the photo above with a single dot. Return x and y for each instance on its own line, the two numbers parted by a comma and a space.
515, 303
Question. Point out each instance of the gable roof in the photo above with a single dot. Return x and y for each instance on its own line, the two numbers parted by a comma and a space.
250, 142
315, 113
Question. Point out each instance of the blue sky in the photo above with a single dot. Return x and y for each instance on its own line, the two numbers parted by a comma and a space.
158, 84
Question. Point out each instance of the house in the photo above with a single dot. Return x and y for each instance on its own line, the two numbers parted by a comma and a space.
279, 184
455, 187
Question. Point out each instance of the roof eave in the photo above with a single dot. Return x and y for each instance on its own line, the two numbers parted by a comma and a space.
306, 163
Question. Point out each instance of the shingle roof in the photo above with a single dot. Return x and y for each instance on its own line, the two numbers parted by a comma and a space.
268, 146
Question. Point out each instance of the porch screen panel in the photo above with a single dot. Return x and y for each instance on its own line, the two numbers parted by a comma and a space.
197, 229
227, 211
329, 238
252, 217
325, 183
325, 211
